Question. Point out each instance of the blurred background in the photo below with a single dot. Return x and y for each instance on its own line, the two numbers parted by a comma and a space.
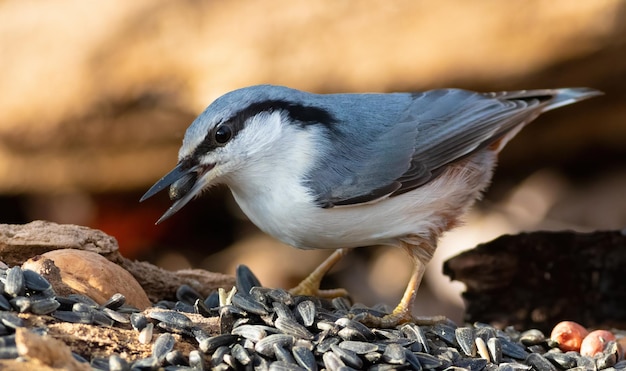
95, 97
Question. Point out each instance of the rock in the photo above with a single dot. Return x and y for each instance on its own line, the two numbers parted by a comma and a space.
21, 242
38, 240
90, 274
46, 351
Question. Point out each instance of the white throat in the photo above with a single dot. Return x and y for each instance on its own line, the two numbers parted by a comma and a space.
268, 186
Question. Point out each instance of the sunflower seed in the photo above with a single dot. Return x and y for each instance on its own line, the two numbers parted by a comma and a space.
14, 285
4, 303
605, 360
473, 364
349, 333
465, 339
495, 350
252, 332
196, 360
114, 302
349, 357
485, 333
138, 321
176, 358
266, 345
163, 345
412, 360
99, 363
8, 352
213, 300
245, 279
21, 303
116, 316
145, 335
586, 362
481, 348
209, 345
282, 310
44, 306
428, 361
148, 363
280, 295
304, 357
580, 368
34, 281
445, 332
187, 295
358, 347
101, 319
532, 337
282, 354
81, 307
201, 308
241, 354
117, 363
290, 327
324, 345
561, 360
332, 361
249, 304
284, 366
394, 354
539, 363
83, 299
513, 350
184, 307
171, 317
341, 304
306, 311
73, 317
218, 355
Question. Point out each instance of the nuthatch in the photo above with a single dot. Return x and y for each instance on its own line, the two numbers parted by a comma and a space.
336, 171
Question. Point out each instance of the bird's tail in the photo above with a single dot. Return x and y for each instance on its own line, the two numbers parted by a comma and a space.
565, 96
549, 99
553, 98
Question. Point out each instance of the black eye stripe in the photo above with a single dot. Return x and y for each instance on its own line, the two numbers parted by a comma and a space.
301, 114
304, 115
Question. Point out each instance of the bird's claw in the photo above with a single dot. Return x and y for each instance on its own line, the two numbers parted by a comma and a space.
397, 317
308, 288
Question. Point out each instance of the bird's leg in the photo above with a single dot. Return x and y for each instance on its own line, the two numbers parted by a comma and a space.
310, 286
421, 253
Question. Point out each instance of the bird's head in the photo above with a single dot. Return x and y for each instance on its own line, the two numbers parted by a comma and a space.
237, 132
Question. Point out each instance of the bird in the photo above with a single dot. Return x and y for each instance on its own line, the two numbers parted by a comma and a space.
348, 170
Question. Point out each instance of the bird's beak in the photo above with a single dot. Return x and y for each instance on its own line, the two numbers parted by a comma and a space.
184, 184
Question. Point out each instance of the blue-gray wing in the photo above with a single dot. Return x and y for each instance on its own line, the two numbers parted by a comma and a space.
399, 142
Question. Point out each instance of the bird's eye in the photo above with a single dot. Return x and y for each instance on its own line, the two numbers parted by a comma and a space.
223, 134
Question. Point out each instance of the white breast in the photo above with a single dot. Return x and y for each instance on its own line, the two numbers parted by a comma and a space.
283, 208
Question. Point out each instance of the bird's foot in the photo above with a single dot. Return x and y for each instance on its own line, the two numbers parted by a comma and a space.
397, 317
394, 319
310, 287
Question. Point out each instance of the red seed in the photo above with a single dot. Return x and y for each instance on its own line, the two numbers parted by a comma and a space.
569, 335
595, 342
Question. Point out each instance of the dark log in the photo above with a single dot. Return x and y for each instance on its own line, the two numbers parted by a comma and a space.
534, 280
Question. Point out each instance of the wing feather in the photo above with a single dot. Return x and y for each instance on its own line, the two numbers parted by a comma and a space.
405, 140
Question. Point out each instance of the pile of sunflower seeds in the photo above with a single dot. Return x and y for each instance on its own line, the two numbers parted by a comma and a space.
270, 329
